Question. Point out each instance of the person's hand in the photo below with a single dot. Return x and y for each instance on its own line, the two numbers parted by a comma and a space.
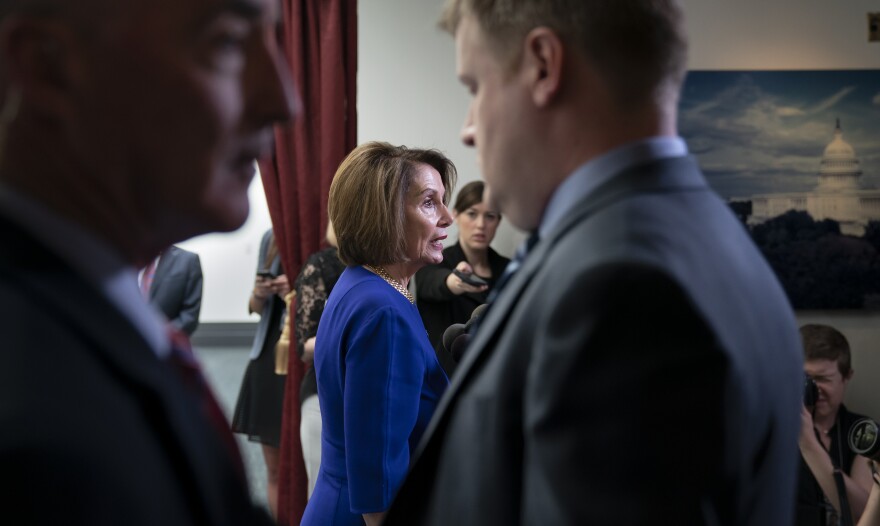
807, 435
262, 288
280, 285
459, 287
309, 350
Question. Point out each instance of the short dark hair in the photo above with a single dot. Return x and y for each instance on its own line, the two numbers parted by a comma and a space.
640, 46
823, 342
368, 196
470, 194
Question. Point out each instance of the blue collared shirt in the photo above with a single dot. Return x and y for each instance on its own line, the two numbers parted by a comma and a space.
92, 258
595, 172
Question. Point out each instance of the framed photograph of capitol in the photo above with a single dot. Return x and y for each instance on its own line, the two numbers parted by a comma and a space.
797, 156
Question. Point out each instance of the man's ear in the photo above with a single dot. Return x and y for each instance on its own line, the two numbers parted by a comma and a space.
543, 56
37, 57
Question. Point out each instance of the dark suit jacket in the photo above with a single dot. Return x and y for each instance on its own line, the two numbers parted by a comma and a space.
642, 367
177, 288
94, 428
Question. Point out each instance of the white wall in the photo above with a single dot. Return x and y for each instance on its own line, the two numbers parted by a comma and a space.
408, 94
781, 34
229, 263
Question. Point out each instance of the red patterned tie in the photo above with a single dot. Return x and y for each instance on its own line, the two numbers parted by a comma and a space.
147, 277
185, 363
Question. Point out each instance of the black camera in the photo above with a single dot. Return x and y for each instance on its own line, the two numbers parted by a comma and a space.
811, 392
863, 439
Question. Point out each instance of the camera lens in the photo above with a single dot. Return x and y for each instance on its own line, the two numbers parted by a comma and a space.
811, 391
863, 438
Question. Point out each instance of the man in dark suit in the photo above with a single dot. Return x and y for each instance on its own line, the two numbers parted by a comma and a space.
175, 287
125, 126
642, 366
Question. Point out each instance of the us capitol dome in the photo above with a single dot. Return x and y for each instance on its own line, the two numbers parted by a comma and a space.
839, 194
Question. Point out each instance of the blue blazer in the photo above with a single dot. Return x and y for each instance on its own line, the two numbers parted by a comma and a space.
378, 384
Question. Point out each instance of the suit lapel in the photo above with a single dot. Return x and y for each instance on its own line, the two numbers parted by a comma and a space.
117, 344
676, 174
166, 261
68, 297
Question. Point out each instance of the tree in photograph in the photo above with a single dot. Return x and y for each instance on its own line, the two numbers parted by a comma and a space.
818, 266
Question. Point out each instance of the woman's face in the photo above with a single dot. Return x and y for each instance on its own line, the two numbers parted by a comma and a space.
426, 217
477, 226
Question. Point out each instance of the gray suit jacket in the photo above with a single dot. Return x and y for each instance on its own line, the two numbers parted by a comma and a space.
177, 288
642, 367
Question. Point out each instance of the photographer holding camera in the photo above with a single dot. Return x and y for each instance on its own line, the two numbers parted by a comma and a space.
824, 430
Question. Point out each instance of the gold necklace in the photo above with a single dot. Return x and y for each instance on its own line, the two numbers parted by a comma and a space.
382, 273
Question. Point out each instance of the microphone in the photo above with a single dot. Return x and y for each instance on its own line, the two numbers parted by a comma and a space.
456, 338
451, 333
477, 314
459, 346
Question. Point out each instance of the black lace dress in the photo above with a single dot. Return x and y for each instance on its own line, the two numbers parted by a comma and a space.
313, 285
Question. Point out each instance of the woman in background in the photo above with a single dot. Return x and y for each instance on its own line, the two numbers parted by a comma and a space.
313, 285
444, 298
261, 398
378, 377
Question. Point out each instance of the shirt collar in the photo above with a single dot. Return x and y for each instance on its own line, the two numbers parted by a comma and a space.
595, 172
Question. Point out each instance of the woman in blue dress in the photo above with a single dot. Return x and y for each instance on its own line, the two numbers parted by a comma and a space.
379, 380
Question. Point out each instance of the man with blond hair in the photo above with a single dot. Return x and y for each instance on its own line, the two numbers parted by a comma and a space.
642, 365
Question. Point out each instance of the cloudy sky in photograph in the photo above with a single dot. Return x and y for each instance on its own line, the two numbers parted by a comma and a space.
765, 131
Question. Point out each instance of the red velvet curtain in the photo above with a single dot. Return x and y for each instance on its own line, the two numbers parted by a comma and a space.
320, 41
